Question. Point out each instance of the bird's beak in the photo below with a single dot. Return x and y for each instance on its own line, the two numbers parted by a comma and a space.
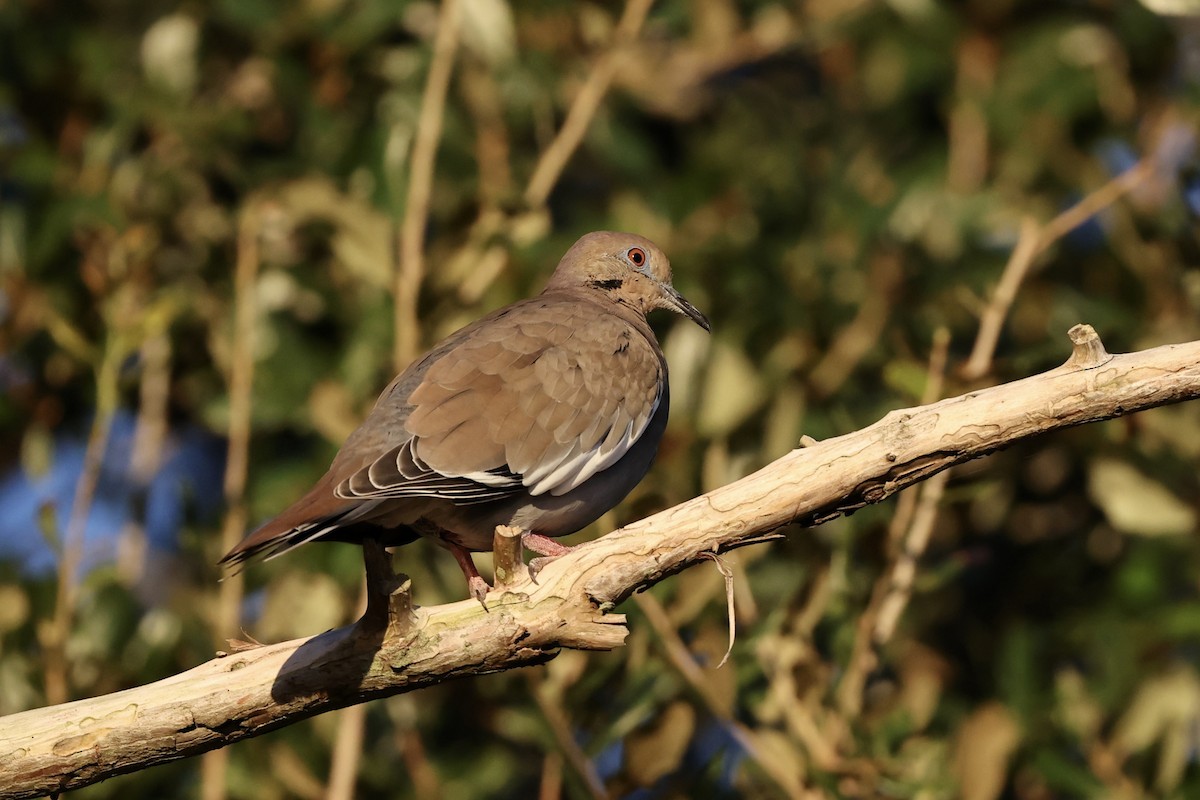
681, 304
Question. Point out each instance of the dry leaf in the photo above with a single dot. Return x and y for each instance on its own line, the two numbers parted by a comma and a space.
923, 674
657, 751
1135, 503
986, 742
733, 391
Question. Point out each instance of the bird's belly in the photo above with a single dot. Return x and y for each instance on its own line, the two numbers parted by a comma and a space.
473, 526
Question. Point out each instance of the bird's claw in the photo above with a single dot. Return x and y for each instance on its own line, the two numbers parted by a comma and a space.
536, 564
544, 546
478, 588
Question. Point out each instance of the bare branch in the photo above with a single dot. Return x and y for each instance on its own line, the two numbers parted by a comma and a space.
261, 689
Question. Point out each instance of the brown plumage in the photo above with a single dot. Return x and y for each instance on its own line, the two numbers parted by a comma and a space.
542, 415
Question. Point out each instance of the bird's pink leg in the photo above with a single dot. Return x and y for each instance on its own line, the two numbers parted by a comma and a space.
544, 546
476, 585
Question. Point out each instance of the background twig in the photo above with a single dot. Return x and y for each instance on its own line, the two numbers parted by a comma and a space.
411, 266
227, 610
1034, 240
555, 157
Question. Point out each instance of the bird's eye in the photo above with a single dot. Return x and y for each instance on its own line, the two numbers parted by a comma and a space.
636, 256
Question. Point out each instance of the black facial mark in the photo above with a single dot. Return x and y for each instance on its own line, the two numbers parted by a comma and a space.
608, 285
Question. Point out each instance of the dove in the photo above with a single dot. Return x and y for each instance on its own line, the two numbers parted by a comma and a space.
542, 415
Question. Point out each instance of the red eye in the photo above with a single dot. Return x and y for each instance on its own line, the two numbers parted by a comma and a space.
636, 256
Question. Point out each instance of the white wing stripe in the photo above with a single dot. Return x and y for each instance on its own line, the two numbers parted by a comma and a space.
575, 468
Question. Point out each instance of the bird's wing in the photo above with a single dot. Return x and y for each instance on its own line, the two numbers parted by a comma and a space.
536, 401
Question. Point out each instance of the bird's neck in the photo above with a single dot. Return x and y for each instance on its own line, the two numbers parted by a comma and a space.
607, 301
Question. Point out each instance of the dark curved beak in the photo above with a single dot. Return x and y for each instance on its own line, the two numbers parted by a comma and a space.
683, 306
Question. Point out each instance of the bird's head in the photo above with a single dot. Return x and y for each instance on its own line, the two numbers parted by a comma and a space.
630, 269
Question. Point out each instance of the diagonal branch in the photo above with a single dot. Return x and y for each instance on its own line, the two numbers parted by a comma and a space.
260, 689
554, 160
1034, 240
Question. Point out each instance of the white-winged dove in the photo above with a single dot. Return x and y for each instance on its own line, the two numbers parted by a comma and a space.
542, 415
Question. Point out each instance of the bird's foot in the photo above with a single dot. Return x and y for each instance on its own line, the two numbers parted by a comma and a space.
535, 566
478, 588
547, 548
476, 585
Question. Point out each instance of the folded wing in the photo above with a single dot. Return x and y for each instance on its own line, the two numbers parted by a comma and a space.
537, 404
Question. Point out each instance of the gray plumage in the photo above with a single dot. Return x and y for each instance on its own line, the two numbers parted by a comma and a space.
542, 415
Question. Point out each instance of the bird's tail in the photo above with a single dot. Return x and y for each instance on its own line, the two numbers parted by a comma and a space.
312, 517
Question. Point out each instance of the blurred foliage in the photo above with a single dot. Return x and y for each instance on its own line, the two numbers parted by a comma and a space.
834, 180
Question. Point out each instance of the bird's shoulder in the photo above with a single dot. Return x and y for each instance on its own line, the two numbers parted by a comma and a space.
529, 341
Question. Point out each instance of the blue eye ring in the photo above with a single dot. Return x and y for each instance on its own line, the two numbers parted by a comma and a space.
636, 256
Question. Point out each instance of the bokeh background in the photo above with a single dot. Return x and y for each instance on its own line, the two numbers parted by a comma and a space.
203, 211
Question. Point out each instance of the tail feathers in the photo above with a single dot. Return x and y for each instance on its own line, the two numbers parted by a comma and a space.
315, 515
275, 544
